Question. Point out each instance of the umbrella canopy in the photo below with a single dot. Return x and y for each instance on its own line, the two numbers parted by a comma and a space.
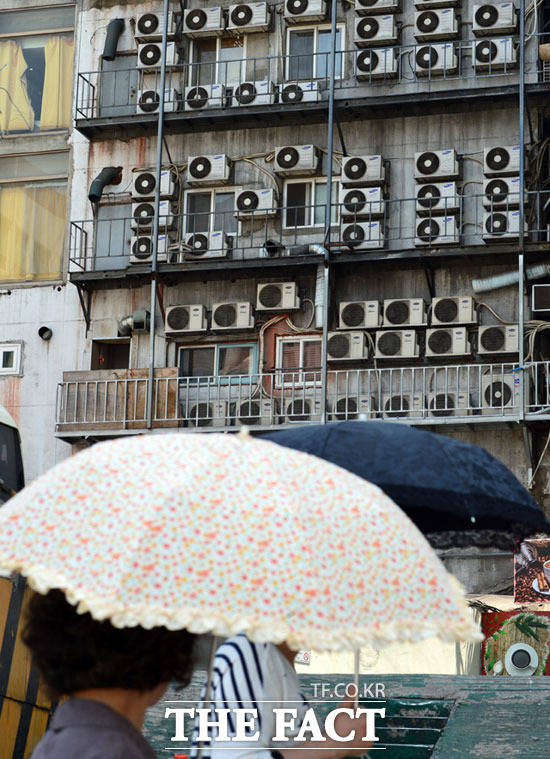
441, 483
226, 533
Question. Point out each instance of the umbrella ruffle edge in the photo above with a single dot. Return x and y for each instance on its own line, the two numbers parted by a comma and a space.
205, 621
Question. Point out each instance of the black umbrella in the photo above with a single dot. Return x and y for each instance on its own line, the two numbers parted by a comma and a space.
444, 485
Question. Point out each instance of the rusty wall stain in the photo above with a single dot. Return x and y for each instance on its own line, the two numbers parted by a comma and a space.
10, 390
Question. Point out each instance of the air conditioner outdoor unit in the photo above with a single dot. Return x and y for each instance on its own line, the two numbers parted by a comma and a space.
227, 316
256, 204
440, 230
149, 27
501, 160
298, 11
361, 202
501, 392
495, 55
141, 249
363, 235
303, 410
397, 343
372, 31
277, 296
447, 341
449, 404
435, 25
145, 183
296, 160
436, 60
149, 56
202, 414
348, 407
208, 170
436, 165
300, 92
347, 346
405, 312
245, 18
492, 19
254, 93
398, 405
148, 101
363, 170
207, 245
374, 7
182, 319
459, 309
204, 22
143, 215
439, 198
540, 297
501, 192
376, 64
262, 411
204, 96
501, 338
500, 225
359, 314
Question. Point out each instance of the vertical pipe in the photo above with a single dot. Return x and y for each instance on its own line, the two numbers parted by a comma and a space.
521, 272
160, 134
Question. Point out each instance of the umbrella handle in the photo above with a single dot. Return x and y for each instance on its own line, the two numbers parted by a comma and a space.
356, 653
212, 656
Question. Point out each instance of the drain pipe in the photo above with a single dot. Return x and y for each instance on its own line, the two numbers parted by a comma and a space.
321, 319
538, 271
521, 257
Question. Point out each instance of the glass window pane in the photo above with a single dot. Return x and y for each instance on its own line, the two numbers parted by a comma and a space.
231, 56
312, 354
300, 50
290, 355
197, 362
321, 201
198, 212
234, 360
34, 165
37, 20
204, 60
224, 213
323, 52
297, 204
8, 359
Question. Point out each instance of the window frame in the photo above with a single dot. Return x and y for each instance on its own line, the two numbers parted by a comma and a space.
218, 63
220, 189
11, 347
299, 377
39, 32
115, 340
315, 28
216, 378
311, 181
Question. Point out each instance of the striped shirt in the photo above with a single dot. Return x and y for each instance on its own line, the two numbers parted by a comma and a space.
250, 675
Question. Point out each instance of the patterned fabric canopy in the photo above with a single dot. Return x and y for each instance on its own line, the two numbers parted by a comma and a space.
228, 533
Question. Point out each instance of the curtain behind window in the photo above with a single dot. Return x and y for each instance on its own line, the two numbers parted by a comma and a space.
56, 100
16, 112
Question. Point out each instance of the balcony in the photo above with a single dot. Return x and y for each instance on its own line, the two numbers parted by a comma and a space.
108, 404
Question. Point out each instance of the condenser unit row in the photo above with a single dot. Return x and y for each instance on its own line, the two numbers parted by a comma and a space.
242, 18
407, 312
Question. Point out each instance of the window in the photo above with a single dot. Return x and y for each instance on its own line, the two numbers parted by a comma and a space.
223, 360
33, 190
36, 69
305, 203
298, 359
10, 358
309, 53
111, 353
211, 211
217, 60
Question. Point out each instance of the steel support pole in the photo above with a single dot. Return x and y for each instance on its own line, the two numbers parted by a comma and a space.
521, 261
160, 135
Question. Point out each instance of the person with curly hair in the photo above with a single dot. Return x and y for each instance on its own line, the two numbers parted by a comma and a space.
110, 676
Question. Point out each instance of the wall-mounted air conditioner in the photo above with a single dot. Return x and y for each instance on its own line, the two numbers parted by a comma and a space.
493, 19
298, 11
396, 343
254, 93
359, 314
501, 160
201, 245
501, 192
438, 198
449, 404
261, 411
296, 160
380, 63
434, 165
501, 392
433, 232
141, 249
500, 225
404, 312
145, 183
277, 296
202, 414
148, 101
375, 31
460, 309
375, 7
495, 55
500, 338
447, 341
348, 407
246, 18
149, 56
149, 27
226, 316
396, 405
256, 204
180, 320
204, 22
362, 235
347, 346
436, 60
438, 24
303, 410
143, 214
208, 170
204, 96
361, 202
300, 92
363, 170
